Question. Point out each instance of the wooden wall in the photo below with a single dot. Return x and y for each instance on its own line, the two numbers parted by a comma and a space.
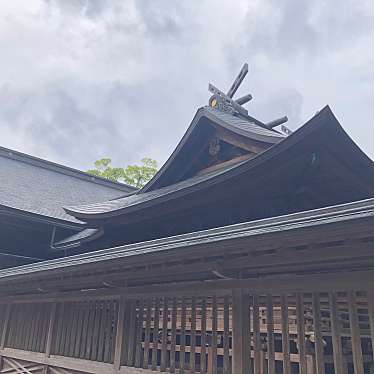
230, 332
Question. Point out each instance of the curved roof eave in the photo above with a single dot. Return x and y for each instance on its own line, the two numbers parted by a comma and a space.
146, 200
225, 120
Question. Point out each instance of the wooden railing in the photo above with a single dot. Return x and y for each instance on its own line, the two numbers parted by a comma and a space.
233, 332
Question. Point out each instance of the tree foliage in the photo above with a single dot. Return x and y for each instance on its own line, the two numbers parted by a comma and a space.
134, 175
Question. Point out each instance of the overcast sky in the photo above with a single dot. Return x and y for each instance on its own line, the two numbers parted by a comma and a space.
81, 80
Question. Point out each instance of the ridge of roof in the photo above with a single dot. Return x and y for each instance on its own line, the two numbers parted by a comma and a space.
62, 169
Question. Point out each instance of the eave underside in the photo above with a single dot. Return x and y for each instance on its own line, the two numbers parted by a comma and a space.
315, 242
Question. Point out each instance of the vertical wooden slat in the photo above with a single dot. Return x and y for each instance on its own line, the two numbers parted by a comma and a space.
28, 331
214, 335
336, 337
108, 332
156, 325
164, 335
355, 333
301, 332
59, 327
370, 296
270, 334
50, 332
203, 337
285, 335
240, 332
139, 338
193, 336
147, 334
256, 336
96, 331
173, 335
101, 332
320, 363
119, 334
65, 319
182, 349
131, 334
226, 335
79, 331
5, 326
86, 318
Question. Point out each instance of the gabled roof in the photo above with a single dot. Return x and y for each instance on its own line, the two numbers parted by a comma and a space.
247, 127
323, 128
32, 186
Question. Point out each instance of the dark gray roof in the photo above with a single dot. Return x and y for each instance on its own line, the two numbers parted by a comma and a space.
36, 186
247, 127
142, 198
345, 212
153, 196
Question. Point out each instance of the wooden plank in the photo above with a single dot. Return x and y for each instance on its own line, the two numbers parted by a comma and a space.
101, 332
173, 335
57, 340
147, 334
285, 335
108, 335
182, 352
193, 336
301, 333
96, 330
240, 332
336, 337
74, 329
4, 333
156, 322
355, 331
131, 335
257, 360
214, 335
318, 345
226, 335
270, 334
370, 296
50, 332
119, 334
86, 317
164, 341
139, 338
203, 363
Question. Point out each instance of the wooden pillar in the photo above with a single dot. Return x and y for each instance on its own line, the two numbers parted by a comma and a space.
52, 318
4, 334
240, 333
119, 335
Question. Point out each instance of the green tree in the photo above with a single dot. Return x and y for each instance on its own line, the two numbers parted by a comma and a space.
134, 175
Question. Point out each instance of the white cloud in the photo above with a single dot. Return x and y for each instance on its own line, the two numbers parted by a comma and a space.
84, 79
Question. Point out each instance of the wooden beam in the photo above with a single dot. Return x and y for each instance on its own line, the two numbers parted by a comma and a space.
240, 333
355, 331
285, 335
5, 326
336, 337
224, 164
320, 365
119, 334
241, 141
52, 318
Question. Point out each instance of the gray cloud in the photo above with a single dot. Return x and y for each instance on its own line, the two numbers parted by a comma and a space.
85, 79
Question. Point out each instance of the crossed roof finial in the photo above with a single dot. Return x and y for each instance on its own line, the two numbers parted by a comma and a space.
225, 102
